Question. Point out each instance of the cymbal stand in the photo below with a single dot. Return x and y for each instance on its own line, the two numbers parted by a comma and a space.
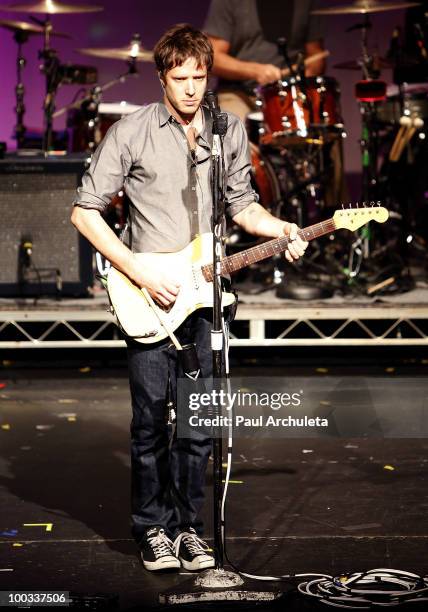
20, 37
50, 68
368, 92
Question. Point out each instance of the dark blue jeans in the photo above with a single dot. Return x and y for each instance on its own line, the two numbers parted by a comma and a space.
168, 475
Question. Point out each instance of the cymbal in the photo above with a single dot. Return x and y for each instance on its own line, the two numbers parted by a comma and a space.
363, 7
52, 7
29, 28
380, 63
121, 53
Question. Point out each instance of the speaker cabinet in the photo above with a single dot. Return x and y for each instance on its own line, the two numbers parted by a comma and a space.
41, 253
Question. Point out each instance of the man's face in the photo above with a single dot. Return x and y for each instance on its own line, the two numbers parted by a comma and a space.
185, 86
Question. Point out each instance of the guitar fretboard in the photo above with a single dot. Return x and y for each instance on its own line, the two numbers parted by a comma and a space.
236, 262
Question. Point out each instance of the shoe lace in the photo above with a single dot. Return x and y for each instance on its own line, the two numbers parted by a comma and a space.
194, 543
160, 543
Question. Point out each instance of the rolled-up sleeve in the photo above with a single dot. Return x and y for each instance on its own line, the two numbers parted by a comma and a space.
106, 175
239, 192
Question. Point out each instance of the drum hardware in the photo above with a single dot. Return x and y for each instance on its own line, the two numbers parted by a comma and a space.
52, 7
133, 52
364, 7
379, 63
85, 121
21, 33
50, 66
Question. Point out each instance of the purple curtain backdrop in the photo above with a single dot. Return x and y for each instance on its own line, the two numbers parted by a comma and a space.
115, 26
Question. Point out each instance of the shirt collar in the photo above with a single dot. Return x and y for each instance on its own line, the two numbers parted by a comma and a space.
164, 114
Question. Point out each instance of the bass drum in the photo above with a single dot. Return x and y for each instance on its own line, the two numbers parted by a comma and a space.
266, 185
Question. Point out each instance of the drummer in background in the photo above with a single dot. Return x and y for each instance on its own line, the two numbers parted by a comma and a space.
244, 34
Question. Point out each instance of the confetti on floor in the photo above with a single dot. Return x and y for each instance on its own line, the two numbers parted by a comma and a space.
9, 533
44, 427
234, 481
321, 370
66, 400
85, 370
391, 468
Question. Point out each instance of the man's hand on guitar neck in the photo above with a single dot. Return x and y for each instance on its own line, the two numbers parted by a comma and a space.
296, 246
258, 221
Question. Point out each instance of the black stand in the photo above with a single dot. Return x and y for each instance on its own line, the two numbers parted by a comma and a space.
217, 585
20, 37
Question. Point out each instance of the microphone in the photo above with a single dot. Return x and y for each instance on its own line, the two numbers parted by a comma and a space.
219, 118
212, 101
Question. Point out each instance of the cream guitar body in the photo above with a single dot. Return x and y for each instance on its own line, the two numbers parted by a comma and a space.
137, 317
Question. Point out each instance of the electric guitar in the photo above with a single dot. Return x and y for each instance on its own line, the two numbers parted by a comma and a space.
146, 322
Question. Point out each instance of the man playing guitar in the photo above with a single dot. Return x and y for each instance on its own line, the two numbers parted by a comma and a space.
160, 156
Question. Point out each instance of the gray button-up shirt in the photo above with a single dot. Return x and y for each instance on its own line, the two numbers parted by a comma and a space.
147, 154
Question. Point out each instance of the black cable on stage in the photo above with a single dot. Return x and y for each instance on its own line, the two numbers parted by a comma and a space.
368, 590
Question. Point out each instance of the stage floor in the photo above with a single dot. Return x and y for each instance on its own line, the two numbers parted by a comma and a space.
295, 506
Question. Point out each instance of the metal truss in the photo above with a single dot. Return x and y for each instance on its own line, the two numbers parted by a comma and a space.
255, 325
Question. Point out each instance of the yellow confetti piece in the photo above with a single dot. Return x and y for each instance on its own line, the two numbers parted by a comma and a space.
47, 525
85, 370
322, 370
5, 426
17, 544
67, 401
6, 363
224, 465
235, 481
424, 361
71, 419
391, 468
325, 403
389, 370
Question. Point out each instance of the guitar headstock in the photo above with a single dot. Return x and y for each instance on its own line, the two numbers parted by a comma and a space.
354, 218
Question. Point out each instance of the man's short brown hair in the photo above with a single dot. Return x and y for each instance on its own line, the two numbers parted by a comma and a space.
178, 44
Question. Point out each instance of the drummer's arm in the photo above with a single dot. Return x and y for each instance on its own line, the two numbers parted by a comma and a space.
256, 220
228, 67
318, 67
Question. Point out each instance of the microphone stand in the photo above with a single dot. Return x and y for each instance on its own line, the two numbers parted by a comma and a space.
217, 585
218, 189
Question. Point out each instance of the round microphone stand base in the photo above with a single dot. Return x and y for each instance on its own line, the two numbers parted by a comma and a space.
218, 585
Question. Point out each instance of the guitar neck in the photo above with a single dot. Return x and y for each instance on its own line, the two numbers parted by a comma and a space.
236, 262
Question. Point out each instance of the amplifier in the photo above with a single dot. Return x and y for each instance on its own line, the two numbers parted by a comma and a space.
41, 253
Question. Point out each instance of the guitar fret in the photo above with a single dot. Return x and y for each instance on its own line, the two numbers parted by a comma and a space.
235, 262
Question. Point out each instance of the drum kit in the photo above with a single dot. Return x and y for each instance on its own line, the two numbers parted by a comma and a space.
87, 117
295, 131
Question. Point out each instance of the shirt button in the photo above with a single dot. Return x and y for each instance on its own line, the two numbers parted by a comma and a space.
193, 188
195, 212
